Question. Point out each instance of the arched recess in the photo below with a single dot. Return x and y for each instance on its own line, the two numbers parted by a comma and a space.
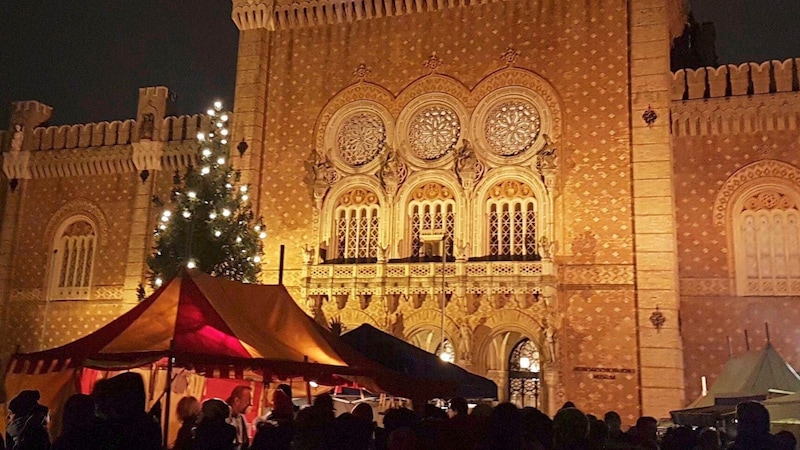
76, 207
352, 318
522, 175
508, 325
73, 259
545, 95
327, 233
443, 187
765, 169
432, 83
423, 328
763, 227
353, 96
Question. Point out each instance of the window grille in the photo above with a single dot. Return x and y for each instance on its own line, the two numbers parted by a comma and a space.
74, 258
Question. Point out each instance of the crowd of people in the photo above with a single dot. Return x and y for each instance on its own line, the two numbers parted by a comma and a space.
114, 417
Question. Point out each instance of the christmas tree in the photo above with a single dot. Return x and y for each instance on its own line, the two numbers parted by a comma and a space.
208, 222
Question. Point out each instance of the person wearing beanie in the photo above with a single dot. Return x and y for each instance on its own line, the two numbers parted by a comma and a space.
27, 428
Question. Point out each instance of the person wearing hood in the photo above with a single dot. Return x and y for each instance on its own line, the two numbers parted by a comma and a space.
27, 428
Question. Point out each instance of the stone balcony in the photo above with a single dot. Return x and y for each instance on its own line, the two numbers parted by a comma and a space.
417, 280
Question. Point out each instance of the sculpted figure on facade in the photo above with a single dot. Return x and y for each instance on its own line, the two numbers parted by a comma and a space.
549, 334
321, 174
545, 247
547, 161
465, 340
389, 172
147, 127
16, 139
465, 164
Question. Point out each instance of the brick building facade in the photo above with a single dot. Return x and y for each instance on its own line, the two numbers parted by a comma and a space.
601, 216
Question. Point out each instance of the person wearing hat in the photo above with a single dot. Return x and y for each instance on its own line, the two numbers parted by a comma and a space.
27, 428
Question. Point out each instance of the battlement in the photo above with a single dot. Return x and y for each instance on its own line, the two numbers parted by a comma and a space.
180, 128
154, 91
732, 80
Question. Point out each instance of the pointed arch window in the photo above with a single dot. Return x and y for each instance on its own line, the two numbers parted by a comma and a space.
431, 211
357, 226
524, 369
767, 243
512, 212
73, 260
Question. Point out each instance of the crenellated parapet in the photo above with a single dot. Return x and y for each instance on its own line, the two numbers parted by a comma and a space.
734, 99
730, 80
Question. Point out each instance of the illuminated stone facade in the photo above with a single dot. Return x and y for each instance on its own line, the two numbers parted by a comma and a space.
584, 193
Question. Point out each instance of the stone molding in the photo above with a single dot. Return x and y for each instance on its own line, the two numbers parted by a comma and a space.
736, 115
706, 287
279, 15
593, 275
76, 207
762, 169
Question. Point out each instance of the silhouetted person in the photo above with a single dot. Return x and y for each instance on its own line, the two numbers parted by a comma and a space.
646, 433
81, 426
570, 428
121, 403
188, 411
708, 439
785, 440
214, 432
752, 431
277, 432
27, 426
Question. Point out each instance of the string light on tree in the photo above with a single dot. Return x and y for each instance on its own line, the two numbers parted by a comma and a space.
208, 222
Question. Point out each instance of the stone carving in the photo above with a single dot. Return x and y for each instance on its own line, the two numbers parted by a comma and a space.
308, 254
509, 57
432, 63
545, 247
467, 167
16, 139
361, 138
361, 72
397, 327
765, 168
433, 132
465, 341
389, 173
147, 126
549, 335
512, 127
547, 157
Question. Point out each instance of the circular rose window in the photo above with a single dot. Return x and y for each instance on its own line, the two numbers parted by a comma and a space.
512, 127
361, 138
434, 132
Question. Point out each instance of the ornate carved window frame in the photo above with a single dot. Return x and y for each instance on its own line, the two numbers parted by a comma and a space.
87, 262
405, 120
496, 98
339, 118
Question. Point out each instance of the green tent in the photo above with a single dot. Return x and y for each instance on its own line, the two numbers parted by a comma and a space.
748, 377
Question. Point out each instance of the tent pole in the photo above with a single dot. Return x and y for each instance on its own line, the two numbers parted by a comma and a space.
280, 265
766, 328
746, 341
308, 382
168, 387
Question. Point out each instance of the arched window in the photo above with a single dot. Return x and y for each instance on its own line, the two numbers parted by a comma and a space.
357, 222
511, 208
767, 243
431, 212
524, 368
73, 260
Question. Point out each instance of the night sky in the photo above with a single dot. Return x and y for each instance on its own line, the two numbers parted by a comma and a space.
88, 58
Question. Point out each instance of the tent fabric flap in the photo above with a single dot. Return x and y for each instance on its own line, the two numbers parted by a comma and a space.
208, 323
441, 379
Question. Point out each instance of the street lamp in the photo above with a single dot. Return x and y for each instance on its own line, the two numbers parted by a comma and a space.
429, 238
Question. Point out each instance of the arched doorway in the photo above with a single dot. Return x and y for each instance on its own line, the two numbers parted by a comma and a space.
524, 373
